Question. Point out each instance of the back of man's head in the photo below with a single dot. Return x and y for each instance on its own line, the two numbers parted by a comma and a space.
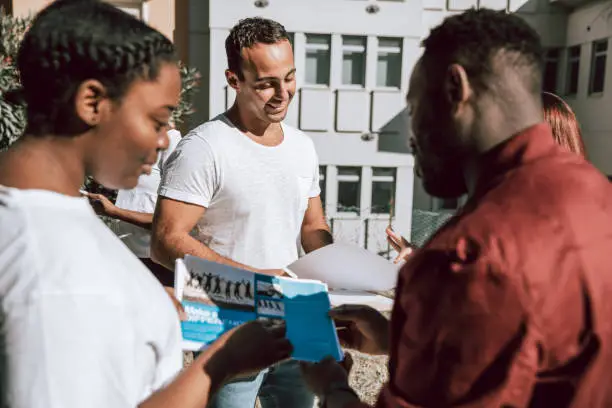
247, 33
491, 46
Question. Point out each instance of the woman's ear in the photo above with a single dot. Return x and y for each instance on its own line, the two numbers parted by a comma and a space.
90, 97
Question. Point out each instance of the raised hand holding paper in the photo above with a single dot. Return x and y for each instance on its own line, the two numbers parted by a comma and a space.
346, 266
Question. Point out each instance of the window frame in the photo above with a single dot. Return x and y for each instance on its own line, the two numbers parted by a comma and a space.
361, 49
392, 179
552, 59
318, 47
595, 54
349, 178
399, 50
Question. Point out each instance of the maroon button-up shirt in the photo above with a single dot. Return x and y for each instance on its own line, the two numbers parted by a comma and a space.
510, 303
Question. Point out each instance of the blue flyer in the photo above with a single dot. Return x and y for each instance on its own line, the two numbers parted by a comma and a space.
219, 297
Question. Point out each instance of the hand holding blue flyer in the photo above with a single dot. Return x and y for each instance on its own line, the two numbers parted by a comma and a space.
219, 297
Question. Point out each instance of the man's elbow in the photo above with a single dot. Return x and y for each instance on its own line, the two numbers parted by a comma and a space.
159, 243
318, 225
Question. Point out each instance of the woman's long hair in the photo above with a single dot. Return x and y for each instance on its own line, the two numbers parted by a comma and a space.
562, 120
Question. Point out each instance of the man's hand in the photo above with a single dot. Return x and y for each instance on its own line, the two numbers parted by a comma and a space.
101, 204
362, 328
329, 381
400, 245
320, 376
247, 349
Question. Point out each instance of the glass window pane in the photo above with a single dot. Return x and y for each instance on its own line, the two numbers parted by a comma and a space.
389, 69
349, 171
317, 67
601, 46
574, 52
382, 194
348, 196
550, 76
389, 42
353, 40
353, 68
383, 172
317, 39
599, 74
349, 192
572, 86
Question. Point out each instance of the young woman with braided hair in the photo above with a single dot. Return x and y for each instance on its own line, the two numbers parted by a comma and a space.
85, 324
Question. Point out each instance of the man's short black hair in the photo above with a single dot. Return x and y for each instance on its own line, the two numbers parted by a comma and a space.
247, 33
474, 37
72, 41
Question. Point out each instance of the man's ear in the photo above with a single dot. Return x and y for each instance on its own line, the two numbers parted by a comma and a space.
232, 79
90, 100
457, 85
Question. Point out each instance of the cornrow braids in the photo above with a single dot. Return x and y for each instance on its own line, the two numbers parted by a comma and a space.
72, 41
474, 37
247, 33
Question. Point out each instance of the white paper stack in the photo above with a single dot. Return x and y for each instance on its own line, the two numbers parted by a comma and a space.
352, 274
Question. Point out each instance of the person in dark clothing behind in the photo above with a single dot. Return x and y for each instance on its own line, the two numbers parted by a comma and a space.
508, 305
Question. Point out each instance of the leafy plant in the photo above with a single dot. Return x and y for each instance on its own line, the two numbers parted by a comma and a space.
12, 117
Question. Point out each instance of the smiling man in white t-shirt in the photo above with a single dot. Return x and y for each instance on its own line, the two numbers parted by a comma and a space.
243, 189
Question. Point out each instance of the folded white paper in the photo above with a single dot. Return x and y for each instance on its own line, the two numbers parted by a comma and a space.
346, 266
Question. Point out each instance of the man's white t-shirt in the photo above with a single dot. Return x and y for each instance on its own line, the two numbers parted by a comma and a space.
142, 199
255, 196
84, 323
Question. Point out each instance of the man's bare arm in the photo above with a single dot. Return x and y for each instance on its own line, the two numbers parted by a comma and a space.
315, 231
140, 219
172, 223
103, 206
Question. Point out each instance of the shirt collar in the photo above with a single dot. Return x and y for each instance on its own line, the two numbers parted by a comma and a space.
531, 144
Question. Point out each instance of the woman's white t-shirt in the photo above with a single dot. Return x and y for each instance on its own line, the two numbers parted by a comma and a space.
84, 323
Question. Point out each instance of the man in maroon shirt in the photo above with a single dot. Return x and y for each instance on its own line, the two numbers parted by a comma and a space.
510, 303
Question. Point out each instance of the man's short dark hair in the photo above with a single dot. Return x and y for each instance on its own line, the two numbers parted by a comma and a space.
474, 37
247, 33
